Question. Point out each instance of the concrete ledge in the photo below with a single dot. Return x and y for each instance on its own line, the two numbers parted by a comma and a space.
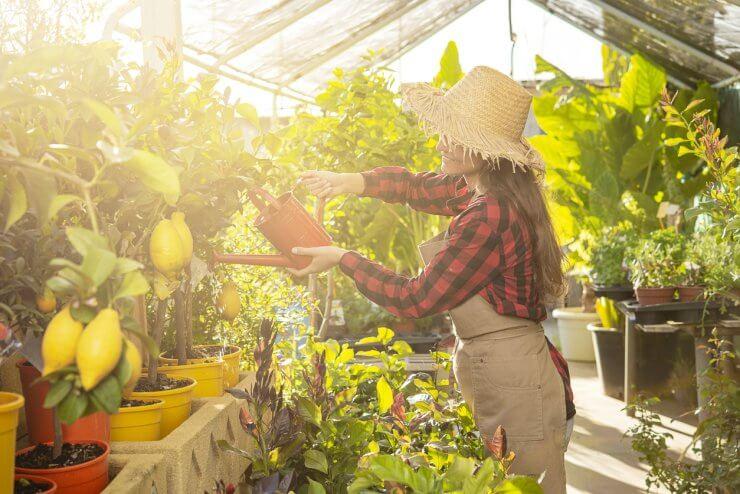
136, 474
192, 459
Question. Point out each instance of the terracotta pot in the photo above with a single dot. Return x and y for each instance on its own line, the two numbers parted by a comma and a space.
39, 480
690, 293
39, 421
404, 326
86, 478
654, 296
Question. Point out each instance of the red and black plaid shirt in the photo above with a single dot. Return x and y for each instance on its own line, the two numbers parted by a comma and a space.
489, 253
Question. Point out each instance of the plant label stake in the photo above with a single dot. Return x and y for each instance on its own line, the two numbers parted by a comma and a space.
286, 224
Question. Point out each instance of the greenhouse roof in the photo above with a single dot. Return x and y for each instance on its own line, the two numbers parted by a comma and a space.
292, 46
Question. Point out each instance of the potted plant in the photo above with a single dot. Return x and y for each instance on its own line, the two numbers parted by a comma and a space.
655, 264
33, 484
609, 274
608, 342
707, 269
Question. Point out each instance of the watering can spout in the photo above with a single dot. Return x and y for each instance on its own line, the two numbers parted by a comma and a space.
254, 260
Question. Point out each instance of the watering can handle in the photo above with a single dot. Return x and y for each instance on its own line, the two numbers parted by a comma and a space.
260, 198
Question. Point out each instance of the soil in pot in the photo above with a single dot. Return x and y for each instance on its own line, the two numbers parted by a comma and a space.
230, 354
690, 293
137, 420
39, 422
654, 296
31, 484
176, 393
82, 468
72, 454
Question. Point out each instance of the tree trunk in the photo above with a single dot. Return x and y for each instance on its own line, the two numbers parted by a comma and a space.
157, 332
180, 327
58, 438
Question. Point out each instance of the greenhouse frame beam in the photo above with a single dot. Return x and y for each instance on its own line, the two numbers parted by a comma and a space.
423, 35
268, 33
671, 40
671, 78
355, 37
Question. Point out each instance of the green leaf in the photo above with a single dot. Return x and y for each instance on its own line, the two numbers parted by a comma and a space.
83, 239
392, 468
155, 173
449, 68
385, 395
316, 460
402, 348
41, 189
105, 114
518, 485
478, 484
309, 411
385, 335
461, 468
57, 392
225, 446
17, 202
250, 113
72, 407
108, 394
674, 141
642, 153
642, 84
314, 487
125, 265
134, 283
58, 203
683, 151
130, 325
98, 264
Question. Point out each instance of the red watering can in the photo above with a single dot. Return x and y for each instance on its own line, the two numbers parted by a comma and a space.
286, 224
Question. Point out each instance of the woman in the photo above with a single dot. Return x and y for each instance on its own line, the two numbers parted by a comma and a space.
493, 269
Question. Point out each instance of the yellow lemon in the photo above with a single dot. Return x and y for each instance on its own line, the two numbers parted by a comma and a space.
47, 301
178, 220
229, 302
99, 348
166, 249
59, 345
133, 357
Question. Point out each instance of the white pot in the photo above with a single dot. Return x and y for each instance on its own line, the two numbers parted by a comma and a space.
575, 339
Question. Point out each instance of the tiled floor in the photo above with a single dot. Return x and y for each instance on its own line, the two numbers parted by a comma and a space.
599, 459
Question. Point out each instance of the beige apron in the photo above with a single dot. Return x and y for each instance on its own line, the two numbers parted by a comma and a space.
507, 377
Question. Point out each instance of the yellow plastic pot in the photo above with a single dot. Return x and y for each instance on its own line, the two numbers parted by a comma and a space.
176, 408
209, 376
232, 362
10, 404
137, 423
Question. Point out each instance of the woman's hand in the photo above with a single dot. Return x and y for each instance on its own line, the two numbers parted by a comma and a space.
324, 258
329, 184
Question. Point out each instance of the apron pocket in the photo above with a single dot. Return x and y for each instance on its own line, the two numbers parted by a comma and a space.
509, 393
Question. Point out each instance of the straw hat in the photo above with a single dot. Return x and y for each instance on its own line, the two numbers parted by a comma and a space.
484, 112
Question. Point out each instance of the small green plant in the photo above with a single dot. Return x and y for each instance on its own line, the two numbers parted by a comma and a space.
715, 439
608, 266
656, 259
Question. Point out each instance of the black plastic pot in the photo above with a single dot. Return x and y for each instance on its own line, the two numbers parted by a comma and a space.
609, 352
616, 293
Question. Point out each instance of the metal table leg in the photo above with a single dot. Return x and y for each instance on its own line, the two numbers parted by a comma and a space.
630, 362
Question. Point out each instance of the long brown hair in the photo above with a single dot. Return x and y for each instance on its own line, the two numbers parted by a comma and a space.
523, 188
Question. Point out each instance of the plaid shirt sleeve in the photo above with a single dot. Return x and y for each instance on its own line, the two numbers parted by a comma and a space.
562, 366
434, 193
471, 259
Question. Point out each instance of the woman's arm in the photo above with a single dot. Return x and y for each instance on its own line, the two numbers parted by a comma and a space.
429, 192
471, 258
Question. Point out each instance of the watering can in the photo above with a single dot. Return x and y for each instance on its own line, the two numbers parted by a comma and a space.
286, 224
